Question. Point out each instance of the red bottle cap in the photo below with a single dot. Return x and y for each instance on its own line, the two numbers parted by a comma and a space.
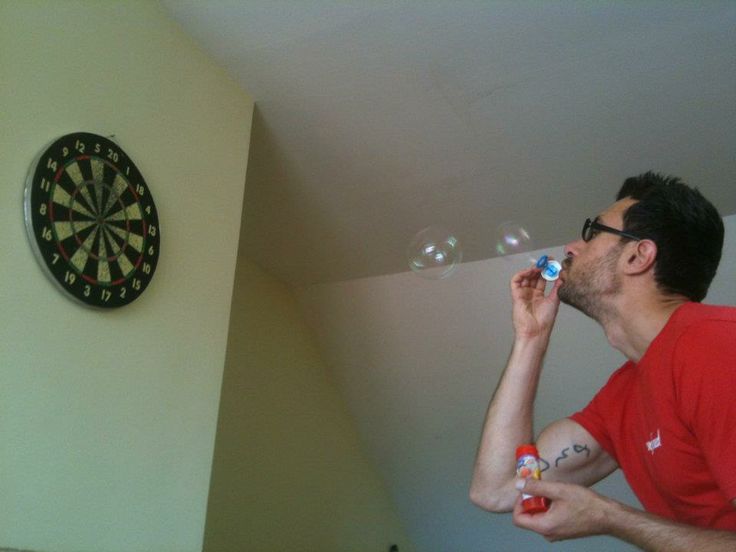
524, 450
535, 504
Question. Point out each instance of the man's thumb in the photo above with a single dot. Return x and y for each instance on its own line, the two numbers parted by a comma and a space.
537, 488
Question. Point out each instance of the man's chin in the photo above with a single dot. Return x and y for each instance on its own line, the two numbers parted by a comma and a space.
579, 305
567, 296
561, 293
562, 290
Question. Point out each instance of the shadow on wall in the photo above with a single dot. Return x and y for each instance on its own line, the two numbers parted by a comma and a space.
272, 204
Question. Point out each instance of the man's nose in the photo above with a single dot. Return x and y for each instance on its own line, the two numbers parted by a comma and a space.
572, 248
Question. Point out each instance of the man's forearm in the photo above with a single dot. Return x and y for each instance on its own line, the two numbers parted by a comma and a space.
508, 423
655, 534
578, 511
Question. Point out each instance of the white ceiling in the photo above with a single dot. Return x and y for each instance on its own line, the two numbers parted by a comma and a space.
378, 118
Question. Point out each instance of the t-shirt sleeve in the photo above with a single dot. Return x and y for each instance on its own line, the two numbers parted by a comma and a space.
705, 382
605, 407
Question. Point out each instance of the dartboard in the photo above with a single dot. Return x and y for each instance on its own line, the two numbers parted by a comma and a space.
91, 220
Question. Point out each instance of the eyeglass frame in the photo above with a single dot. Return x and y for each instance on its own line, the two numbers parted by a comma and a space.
593, 224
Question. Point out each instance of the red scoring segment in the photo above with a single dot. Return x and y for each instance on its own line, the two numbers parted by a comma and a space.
59, 245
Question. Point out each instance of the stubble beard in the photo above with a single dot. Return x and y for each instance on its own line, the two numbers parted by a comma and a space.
587, 288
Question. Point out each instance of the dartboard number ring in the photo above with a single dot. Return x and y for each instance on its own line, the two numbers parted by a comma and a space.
91, 220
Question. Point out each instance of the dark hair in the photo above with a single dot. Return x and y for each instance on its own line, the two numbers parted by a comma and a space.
685, 226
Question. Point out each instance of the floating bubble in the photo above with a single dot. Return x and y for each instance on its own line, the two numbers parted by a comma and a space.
434, 253
512, 239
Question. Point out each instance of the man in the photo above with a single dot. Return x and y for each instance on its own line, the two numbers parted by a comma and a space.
667, 417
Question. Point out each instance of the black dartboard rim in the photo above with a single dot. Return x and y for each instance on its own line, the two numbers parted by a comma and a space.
91, 220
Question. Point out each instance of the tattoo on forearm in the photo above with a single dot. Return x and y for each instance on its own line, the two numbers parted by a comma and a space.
544, 465
578, 449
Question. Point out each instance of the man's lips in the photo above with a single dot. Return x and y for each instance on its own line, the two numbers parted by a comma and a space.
566, 264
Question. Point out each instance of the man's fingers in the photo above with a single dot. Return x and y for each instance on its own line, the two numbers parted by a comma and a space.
517, 506
533, 522
523, 275
535, 487
541, 283
555, 288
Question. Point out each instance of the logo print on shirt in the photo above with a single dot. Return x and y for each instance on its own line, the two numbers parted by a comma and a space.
655, 443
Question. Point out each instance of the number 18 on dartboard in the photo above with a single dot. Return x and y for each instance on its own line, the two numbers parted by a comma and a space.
91, 220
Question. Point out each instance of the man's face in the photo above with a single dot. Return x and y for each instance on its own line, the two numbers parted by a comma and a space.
590, 276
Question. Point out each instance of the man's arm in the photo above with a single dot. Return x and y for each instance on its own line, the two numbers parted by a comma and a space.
569, 451
508, 424
572, 455
576, 512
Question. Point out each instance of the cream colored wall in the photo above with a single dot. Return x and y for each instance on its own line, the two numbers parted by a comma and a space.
107, 419
289, 472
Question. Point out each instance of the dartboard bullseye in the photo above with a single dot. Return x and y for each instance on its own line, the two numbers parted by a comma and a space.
91, 220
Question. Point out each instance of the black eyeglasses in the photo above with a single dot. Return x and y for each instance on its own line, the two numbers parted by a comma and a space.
592, 227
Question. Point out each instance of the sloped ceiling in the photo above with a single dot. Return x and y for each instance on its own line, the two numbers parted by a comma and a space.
376, 119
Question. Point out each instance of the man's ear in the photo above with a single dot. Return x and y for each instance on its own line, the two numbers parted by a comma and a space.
640, 256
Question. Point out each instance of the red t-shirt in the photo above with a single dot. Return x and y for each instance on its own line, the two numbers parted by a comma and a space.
670, 419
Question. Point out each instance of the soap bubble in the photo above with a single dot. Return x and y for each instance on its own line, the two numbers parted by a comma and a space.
434, 253
512, 239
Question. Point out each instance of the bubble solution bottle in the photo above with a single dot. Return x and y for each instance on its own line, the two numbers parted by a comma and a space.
550, 269
527, 465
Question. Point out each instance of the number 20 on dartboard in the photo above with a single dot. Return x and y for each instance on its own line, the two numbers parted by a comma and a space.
91, 220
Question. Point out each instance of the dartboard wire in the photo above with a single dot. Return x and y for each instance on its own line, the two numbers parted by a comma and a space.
118, 223
88, 246
133, 216
77, 199
65, 192
59, 232
61, 197
85, 209
131, 239
85, 245
103, 268
120, 228
118, 249
132, 242
83, 231
127, 268
121, 243
112, 242
87, 174
120, 215
66, 227
82, 254
118, 188
97, 168
73, 172
99, 192
82, 190
113, 258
